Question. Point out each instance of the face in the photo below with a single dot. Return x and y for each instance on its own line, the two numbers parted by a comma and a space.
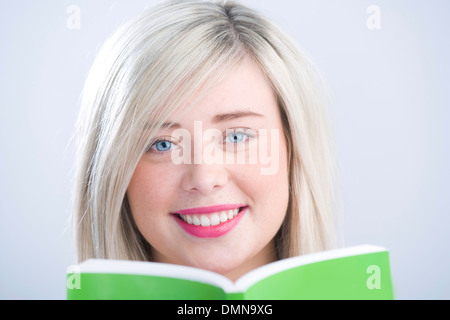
212, 189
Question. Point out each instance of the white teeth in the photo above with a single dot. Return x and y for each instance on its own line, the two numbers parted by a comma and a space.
206, 220
195, 220
223, 216
215, 220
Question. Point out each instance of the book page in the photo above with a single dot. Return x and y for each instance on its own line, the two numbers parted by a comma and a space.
265, 271
146, 268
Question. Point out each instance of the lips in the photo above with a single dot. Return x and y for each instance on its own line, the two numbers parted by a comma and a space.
209, 222
206, 220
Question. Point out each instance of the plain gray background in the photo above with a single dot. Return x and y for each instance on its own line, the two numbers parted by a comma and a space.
390, 112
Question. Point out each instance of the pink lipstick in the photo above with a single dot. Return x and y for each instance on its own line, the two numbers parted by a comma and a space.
210, 222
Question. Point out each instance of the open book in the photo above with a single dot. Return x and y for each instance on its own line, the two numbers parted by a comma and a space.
360, 272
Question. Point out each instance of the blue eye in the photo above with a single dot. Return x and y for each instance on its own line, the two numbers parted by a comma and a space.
162, 146
236, 137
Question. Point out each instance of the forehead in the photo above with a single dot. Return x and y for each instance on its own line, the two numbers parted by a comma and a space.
244, 90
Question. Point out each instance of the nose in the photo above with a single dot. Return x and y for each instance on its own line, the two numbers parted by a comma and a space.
204, 178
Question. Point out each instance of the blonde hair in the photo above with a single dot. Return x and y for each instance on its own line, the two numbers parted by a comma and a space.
145, 71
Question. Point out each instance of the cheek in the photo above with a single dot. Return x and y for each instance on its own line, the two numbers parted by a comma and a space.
149, 192
269, 192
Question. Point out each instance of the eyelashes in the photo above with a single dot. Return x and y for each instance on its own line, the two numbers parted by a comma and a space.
236, 137
231, 137
162, 146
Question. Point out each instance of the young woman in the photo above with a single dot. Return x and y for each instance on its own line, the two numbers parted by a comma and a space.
203, 141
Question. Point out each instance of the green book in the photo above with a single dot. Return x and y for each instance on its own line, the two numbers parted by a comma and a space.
360, 272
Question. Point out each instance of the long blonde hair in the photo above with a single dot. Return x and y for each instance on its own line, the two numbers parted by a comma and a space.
145, 71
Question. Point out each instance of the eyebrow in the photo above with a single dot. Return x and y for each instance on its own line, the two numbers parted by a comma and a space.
219, 118
171, 124
236, 115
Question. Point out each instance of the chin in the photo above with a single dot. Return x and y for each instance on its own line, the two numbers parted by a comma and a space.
221, 264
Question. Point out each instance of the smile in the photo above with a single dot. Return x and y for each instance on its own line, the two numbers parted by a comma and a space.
206, 220
209, 222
